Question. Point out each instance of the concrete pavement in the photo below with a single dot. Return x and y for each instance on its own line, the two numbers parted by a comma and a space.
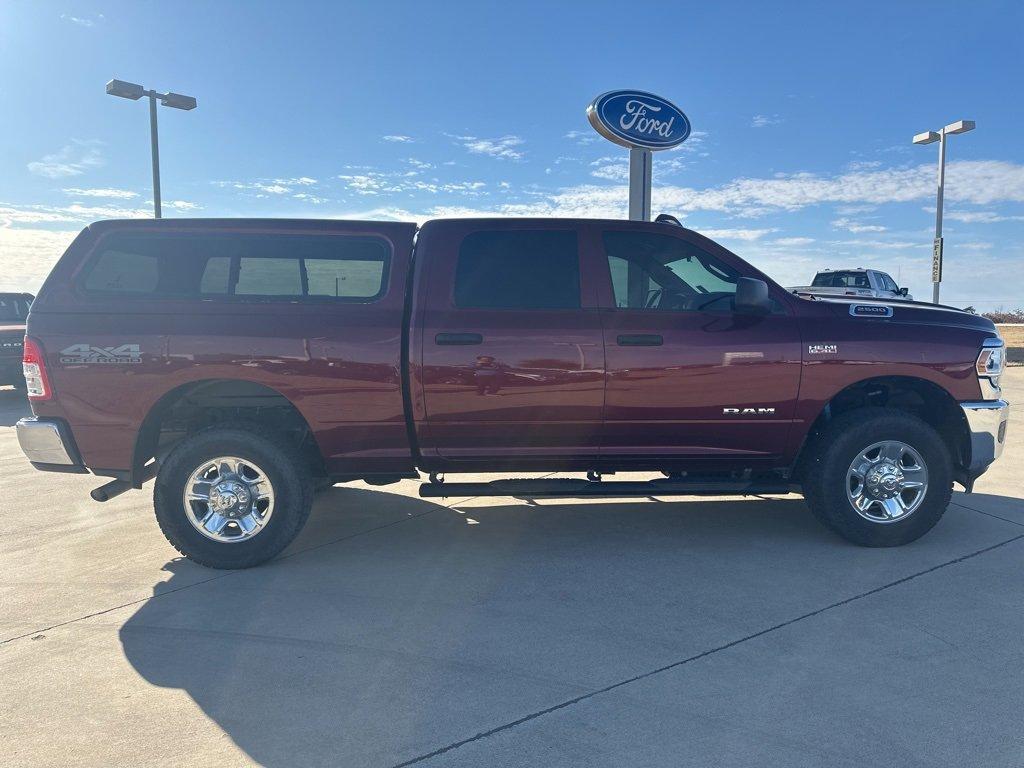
492, 632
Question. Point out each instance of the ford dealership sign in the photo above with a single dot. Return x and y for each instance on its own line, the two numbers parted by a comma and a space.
637, 119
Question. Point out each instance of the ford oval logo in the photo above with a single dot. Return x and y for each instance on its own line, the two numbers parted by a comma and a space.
638, 119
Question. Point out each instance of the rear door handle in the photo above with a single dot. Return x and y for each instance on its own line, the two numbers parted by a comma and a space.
458, 339
641, 340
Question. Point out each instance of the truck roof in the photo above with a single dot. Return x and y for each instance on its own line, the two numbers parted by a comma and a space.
257, 223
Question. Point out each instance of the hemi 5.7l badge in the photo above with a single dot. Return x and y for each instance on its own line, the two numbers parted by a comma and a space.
822, 349
86, 354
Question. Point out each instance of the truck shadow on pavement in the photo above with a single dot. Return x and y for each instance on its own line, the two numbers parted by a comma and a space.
395, 626
13, 406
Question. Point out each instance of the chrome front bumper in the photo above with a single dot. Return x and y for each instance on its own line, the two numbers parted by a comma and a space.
47, 443
986, 420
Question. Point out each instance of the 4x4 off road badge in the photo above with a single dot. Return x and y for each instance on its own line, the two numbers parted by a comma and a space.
86, 354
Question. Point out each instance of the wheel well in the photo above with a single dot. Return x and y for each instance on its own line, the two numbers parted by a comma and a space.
929, 402
191, 407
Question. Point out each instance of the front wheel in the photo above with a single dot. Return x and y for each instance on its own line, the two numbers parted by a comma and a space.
878, 477
231, 498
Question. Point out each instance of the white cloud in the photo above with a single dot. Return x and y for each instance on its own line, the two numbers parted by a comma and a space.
582, 137
612, 168
118, 194
73, 159
863, 165
694, 143
266, 187
370, 183
398, 139
29, 255
975, 217
378, 182
787, 242
736, 234
305, 196
979, 182
763, 121
20, 215
856, 226
179, 205
297, 181
81, 21
503, 148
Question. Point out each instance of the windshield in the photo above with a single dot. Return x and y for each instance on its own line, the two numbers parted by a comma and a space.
841, 280
13, 308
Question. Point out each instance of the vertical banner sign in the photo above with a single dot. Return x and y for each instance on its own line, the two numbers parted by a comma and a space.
937, 260
644, 123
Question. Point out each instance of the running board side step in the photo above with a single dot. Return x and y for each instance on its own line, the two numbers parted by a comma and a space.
569, 488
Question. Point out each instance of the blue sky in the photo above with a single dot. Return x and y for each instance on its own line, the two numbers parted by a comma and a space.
802, 117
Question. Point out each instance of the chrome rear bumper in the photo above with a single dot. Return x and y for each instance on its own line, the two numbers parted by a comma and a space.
987, 421
47, 443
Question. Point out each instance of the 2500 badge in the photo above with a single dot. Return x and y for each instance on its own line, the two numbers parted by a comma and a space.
86, 354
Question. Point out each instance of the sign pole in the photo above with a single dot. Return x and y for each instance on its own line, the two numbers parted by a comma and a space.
937, 246
640, 165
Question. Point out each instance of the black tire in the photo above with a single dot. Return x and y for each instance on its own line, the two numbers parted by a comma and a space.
293, 491
828, 458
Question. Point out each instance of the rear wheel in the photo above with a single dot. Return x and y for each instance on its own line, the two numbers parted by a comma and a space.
879, 477
231, 497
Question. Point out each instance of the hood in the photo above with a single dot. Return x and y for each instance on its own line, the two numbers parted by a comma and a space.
909, 312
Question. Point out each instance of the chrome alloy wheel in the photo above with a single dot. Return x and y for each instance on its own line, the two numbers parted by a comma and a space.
228, 499
887, 482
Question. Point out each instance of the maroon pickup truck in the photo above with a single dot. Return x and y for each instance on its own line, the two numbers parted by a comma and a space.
246, 363
13, 311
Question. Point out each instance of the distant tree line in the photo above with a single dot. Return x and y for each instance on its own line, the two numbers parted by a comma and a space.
1005, 315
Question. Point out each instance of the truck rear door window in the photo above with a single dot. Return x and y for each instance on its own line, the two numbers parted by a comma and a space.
260, 266
518, 269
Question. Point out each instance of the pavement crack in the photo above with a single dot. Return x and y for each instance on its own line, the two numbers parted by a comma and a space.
989, 514
711, 651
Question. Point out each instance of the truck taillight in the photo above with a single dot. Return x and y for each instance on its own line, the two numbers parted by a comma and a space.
34, 365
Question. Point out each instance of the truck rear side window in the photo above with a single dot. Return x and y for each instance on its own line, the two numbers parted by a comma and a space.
117, 271
518, 269
267, 266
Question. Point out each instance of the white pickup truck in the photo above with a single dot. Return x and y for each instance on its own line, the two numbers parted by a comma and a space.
854, 282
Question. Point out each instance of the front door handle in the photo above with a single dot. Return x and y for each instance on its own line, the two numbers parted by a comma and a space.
641, 340
458, 339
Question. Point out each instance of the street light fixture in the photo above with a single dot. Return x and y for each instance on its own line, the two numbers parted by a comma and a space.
135, 92
930, 137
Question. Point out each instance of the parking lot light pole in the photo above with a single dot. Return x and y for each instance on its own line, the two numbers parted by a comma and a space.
175, 100
929, 137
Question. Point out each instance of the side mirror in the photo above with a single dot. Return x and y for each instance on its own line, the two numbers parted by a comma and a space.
752, 296
903, 291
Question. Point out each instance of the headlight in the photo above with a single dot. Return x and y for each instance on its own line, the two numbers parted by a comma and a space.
991, 359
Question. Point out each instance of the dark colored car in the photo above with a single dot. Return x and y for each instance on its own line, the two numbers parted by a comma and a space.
13, 311
244, 363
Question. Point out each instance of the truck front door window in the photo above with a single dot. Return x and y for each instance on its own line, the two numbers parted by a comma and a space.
660, 272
